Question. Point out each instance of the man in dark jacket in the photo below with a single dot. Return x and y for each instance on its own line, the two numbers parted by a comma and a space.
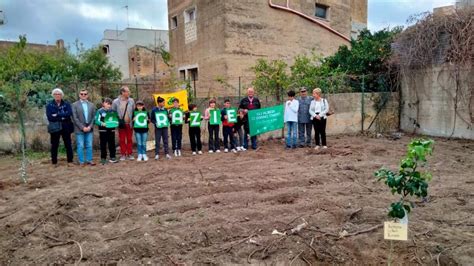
304, 118
249, 103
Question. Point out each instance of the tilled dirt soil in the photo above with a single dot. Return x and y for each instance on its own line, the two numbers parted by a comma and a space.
223, 208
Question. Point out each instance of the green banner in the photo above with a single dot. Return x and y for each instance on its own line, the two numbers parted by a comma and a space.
177, 117
232, 115
111, 120
162, 120
141, 119
195, 119
215, 117
265, 119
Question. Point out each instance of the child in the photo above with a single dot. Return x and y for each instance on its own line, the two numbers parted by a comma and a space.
291, 119
141, 133
106, 135
176, 130
213, 129
227, 129
239, 131
161, 133
194, 132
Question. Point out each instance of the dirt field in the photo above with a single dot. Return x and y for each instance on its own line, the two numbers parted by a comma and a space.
222, 209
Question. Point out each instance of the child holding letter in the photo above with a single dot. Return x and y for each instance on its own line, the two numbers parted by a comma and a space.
106, 134
159, 117
177, 118
193, 117
229, 117
212, 115
140, 126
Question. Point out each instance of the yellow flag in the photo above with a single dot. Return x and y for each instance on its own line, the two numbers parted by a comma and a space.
181, 95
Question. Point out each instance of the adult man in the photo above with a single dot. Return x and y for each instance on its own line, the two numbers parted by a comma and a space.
83, 113
304, 118
249, 103
124, 106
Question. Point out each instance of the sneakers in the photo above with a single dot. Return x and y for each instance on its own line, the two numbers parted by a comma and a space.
218, 151
238, 149
123, 158
113, 160
139, 157
103, 161
179, 153
175, 153
144, 157
157, 157
325, 147
131, 158
200, 152
168, 156
211, 151
317, 147
242, 148
91, 163
194, 153
226, 150
234, 150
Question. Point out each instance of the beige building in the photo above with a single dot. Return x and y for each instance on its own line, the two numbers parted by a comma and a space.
118, 44
215, 39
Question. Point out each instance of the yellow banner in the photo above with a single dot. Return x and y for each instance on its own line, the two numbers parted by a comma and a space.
182, 96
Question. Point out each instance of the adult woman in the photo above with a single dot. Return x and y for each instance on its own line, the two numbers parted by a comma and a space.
59, 113
318, 111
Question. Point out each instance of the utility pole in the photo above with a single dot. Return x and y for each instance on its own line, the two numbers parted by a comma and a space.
154, 64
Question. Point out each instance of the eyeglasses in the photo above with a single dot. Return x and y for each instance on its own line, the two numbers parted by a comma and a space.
83, 94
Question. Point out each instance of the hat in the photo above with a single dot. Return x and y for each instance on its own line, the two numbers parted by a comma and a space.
139, 102
303, 89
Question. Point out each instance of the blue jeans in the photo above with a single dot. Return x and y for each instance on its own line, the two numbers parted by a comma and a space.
253, 140
291, 134
141, 142
84, 140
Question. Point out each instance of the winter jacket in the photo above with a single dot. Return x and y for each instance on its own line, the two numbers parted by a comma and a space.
61, 113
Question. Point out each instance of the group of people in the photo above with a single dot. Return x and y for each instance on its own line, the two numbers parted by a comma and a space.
81, 116
303, 112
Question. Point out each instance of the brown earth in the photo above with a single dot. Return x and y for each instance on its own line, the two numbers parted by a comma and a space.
222, 209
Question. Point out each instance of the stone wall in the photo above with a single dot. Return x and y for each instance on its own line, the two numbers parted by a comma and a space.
429, 103
231, 35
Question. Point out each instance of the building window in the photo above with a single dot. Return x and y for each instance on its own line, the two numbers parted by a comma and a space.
174, 22
105, 49
190, 15
321, 11
182, 74
193, 73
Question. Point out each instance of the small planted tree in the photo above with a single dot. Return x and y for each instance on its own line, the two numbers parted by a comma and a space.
410, 180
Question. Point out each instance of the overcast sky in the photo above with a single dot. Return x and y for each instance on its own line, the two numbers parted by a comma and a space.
45, 21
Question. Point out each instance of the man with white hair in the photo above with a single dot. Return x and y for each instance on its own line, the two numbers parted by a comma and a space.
249, 103
59, 113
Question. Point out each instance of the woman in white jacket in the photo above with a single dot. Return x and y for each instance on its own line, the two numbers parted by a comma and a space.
318, 110
291, 120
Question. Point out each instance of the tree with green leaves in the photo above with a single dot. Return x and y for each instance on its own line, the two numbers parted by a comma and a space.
271, 78
27, 77
409, 181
